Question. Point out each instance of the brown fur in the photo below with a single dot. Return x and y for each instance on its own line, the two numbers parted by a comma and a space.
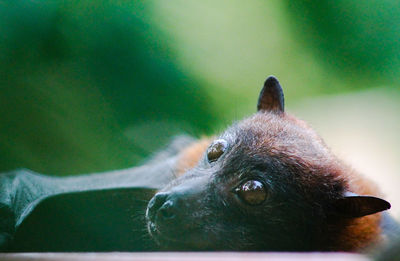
361, 233
317, 164
314, 157
190, 156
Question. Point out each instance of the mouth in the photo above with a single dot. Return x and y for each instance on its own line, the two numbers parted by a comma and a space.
151, 226
161, 239
155, 233
182, 238
169, 243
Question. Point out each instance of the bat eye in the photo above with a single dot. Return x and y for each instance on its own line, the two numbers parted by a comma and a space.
216, 149
252, 192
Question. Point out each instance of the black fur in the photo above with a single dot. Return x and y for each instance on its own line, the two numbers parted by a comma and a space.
304, 183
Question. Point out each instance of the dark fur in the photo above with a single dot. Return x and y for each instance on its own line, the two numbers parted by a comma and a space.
306, 208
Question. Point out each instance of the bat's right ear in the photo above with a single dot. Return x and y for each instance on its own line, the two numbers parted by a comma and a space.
353, 205
271, 96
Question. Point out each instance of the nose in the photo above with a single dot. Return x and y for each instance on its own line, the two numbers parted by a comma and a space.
161, 207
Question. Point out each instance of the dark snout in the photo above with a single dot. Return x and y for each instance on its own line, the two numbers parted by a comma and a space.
176, 202
163, 206
172, 211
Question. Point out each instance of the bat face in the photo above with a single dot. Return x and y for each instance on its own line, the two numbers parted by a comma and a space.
267, 183
242, 195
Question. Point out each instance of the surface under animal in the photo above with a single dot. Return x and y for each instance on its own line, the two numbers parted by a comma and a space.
267, 183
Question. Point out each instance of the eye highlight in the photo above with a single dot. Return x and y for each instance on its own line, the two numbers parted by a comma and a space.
252, 192
216, 149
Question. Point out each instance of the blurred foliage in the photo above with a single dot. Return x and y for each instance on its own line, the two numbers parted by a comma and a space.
235, 45
97, 85
353, 37
74, 75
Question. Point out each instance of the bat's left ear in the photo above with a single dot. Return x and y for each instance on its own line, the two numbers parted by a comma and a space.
353, 205
271, 96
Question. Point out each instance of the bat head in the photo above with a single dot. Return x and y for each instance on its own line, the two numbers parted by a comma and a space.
267, 183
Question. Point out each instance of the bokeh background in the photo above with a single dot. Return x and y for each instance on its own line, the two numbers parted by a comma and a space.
89, 86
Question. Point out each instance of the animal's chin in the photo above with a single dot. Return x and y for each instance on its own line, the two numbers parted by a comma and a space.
170, 243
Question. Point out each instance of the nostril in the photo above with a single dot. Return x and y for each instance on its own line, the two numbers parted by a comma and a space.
167, 210
155, 203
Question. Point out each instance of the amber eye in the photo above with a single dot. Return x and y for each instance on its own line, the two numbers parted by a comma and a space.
252, 192
217, 148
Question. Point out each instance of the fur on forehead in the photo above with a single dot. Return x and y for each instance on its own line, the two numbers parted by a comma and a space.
287, 138
282, 134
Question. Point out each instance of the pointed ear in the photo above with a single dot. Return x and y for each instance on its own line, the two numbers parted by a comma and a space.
353, 205
271, 96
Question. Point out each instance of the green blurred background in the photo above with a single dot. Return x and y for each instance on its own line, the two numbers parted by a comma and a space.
92, 86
